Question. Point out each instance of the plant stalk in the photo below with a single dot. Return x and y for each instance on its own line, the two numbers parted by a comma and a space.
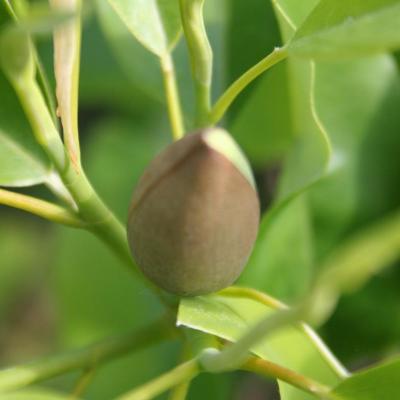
172, 95
272, 370
41, 208
200, 54
182, 373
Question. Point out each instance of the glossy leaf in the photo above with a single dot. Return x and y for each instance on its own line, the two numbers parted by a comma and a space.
378, 382
297, 348
154, 23
348, 29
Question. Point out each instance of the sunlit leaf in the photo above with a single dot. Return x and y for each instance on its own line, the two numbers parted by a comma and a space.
144, 76
297, 348
155, 23
348, 29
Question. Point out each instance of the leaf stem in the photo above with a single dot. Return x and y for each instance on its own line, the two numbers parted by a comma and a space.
180, 391
41, 208
182, 373
200, 54
23, 375
83, 382
272, 370
223, 103
172, 95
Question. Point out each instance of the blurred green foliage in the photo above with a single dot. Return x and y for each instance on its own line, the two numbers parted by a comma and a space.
89, 295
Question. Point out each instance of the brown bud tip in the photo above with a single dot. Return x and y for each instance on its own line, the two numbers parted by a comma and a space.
194, 215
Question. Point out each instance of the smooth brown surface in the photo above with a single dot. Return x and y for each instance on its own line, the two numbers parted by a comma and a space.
193, 219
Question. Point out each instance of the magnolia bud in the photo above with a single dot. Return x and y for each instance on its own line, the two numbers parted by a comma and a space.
194, 215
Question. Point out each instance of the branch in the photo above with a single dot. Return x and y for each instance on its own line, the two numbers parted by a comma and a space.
272, 370
172, 95
182, 373
200, 54
41, 208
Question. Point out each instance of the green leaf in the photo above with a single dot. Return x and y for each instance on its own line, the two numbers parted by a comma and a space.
22, 162
144, 75
348, 29
154, 23
297, 348
379, 382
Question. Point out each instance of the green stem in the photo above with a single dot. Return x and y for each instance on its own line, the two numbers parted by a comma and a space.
182, 373
100, 220
233, 355
271, 370
48, 91
236, 88
83, 382
200, 54
23, 375
172, 95
40, 119
9, 9
41, 208
180, 391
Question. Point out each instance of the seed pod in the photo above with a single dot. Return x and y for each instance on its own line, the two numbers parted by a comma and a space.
194, 215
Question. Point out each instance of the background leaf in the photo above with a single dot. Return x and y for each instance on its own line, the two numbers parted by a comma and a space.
154, 23
348, 29
274, 269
